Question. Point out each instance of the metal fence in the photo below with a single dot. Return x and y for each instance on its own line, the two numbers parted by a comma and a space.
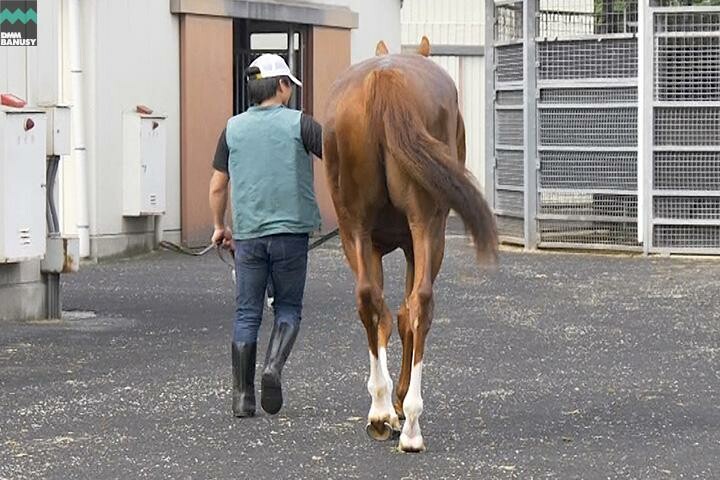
685, 96
605, 119
505, 82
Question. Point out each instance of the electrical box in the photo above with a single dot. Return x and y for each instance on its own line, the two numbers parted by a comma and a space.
144, 159
23, 134
58, 130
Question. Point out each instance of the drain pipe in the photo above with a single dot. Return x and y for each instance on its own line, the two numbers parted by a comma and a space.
80, 152
53, 296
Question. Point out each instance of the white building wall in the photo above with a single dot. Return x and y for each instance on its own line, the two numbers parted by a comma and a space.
448, 22
378, 20
455, 22
31, 73
467, 72
132, 57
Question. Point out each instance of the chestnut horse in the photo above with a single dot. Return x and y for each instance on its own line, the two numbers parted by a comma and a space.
394, 153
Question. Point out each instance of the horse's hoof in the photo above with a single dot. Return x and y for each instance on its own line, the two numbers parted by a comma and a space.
411, 445
379, 431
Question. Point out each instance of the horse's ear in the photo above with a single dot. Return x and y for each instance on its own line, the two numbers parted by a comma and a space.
424, 49
381, 49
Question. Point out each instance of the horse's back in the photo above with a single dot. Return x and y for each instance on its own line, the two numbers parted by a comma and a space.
401, 81
426, 81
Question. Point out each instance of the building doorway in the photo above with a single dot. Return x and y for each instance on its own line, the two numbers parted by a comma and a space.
252, 38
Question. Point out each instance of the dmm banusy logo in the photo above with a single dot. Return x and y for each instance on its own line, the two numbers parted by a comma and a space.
18, 23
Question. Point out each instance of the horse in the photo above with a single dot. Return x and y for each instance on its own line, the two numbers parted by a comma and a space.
394, 155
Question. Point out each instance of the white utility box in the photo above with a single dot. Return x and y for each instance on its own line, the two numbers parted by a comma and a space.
144, 158
22, 184
58, 130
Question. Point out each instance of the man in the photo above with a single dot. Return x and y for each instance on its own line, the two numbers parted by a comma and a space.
263, 156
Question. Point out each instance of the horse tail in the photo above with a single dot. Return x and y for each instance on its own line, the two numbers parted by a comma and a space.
395, 118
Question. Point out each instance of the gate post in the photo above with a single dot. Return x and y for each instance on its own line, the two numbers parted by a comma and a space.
490, 103
645, 124
530, 122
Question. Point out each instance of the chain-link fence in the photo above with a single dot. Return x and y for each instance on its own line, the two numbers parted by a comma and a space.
606, 123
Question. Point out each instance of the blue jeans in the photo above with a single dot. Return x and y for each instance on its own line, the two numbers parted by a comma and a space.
279, 259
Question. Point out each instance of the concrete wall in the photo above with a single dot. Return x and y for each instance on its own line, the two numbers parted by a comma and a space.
22, 291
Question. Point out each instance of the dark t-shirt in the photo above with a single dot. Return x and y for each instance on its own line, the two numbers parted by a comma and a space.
310, 130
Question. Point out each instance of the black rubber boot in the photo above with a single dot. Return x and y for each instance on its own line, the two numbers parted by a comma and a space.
281, 343
243, 365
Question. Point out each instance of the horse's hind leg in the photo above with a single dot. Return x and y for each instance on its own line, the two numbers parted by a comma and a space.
406, 336
428, 231
350, 163
377, 320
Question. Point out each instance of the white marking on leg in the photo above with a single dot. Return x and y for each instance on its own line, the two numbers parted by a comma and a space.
411, 437
387, 395
380, 387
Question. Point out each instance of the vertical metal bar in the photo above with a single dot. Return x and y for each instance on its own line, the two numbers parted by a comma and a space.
291, 49
301, 68
242, 45
490, 102
291, 63
530, 122
53, 299
645, 123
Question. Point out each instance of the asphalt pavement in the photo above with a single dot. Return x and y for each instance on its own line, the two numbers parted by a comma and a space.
555, 366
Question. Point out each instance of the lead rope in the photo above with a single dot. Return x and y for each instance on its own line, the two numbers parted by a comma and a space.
174, 247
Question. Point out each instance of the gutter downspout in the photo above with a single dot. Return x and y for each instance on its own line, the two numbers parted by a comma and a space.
77, 80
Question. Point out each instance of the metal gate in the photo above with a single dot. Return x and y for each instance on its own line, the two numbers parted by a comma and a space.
505, 83
572, 163
684, 88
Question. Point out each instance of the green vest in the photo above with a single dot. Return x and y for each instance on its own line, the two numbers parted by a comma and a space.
271, 174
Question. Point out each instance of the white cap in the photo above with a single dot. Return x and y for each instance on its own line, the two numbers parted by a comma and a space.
271, 65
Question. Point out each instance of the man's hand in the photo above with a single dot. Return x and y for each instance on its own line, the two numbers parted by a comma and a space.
222, 236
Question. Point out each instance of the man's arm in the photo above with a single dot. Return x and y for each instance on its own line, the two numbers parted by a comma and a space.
219, 197
311, 133
219, 193
222, 235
